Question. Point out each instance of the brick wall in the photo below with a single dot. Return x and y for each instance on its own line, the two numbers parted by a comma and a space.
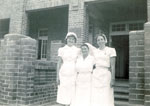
86, 25
45, 94
77, 19
23, 79
147, 63
136, 68
148, 9
0, 73
45, 72
45, 87
27, 70
4, 11
17, 54
18, 18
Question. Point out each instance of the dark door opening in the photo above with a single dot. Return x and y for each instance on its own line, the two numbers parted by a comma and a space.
121, 44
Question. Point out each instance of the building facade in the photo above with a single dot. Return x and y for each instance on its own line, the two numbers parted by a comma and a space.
31, 31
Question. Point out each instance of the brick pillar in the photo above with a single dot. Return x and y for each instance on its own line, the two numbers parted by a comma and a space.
86, 25
136, 68
147, 63
18, 54
1, 96
18, 18
77, 21
148, 9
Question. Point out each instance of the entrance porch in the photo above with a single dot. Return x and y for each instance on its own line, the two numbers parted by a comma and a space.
116, 19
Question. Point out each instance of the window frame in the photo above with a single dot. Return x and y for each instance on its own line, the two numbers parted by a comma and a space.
42, 38
126, 31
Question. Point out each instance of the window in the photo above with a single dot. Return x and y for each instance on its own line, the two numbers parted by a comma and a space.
119, 27
42, 43
136, 26
123, 28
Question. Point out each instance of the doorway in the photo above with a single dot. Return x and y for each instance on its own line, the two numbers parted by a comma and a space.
121, 44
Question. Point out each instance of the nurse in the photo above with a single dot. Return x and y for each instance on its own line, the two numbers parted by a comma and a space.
66, 73
84, 68
104, 74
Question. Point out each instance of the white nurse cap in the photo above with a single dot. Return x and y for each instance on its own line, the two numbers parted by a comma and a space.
105, 38
71, 34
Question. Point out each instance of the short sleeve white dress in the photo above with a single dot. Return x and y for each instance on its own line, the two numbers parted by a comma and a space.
102, 93
84, 68
67, 74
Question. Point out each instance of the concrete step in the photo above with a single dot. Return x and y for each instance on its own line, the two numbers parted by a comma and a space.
119, 84
121, 103
122, 83
121, 89
121, 96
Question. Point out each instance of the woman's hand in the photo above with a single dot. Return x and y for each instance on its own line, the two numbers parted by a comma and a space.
112, 69
112, 83
59, 63
58, 81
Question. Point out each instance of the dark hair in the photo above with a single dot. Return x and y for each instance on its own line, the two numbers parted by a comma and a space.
84, 45
103, 35
70, 36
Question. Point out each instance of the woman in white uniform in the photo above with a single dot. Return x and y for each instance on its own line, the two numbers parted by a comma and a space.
104, 74
84, 68
66, 74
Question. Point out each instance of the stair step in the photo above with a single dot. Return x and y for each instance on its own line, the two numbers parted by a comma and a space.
121, 96
121, 89
122, 83
121, 103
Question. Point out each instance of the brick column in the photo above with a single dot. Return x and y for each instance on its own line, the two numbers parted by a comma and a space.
147, 63
1, 96
136, 68
77, 21
148, 9
17, 61
18, 18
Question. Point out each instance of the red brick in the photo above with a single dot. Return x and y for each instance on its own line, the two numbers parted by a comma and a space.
147, 103
136, 102
140, 97
137, 58
137, 69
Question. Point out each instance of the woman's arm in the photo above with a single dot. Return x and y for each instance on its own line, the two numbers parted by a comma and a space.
112, 69
92, 49
59, 63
